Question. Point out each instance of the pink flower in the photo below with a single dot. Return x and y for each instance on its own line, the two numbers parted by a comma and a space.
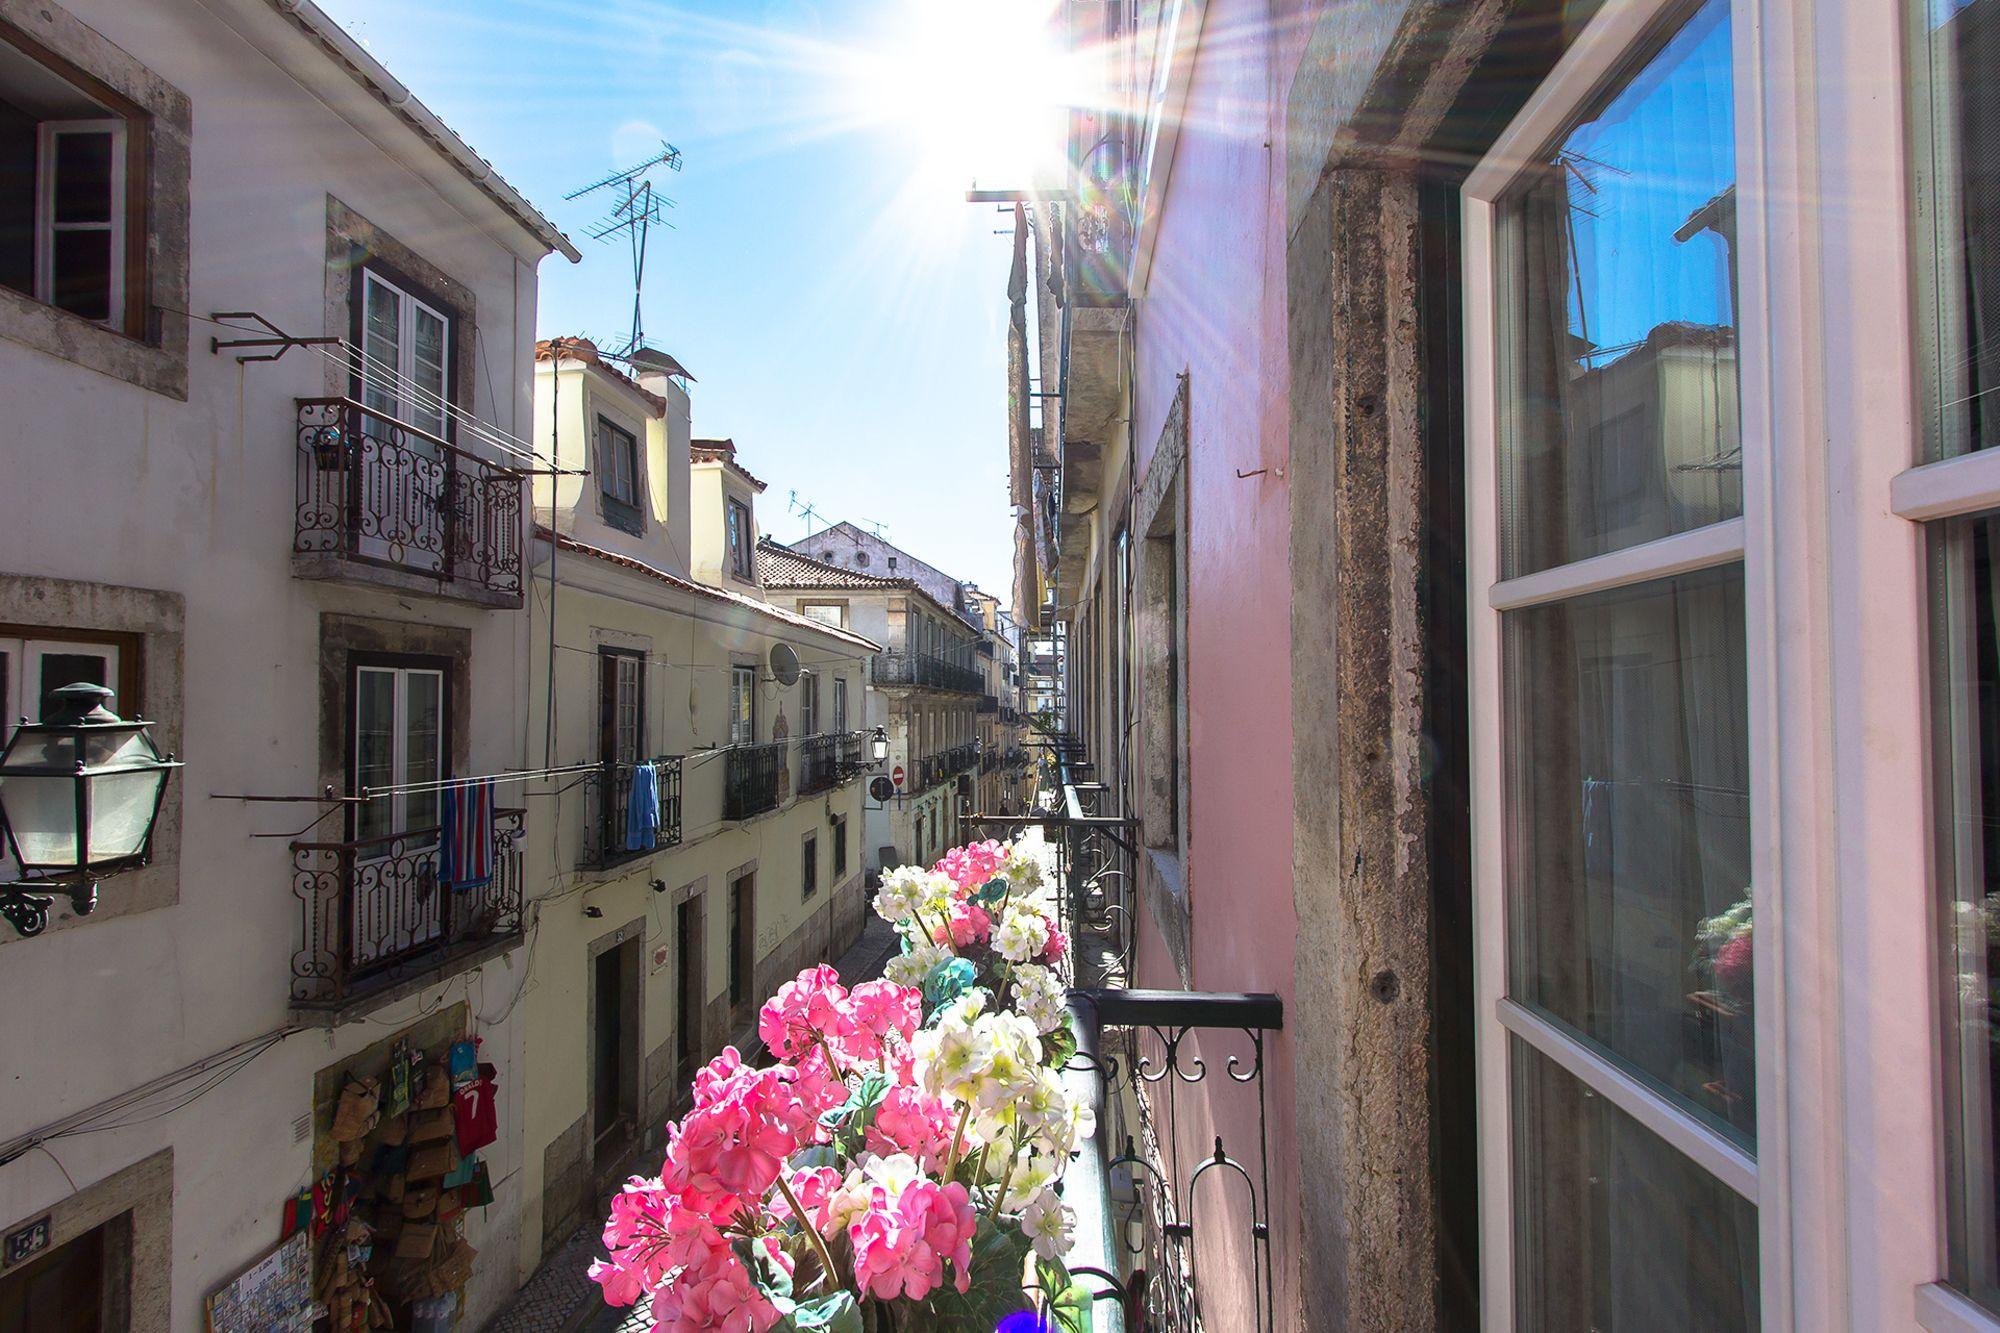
970, 925
974, 864
716, 1074
912, 1121
901, 1245
728, 1152
1733, 965
809, 1006
817, 1086
716, 1295
649, 1234
874, 1010
1053, 951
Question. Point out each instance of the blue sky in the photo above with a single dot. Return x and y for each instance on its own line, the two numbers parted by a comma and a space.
842, 308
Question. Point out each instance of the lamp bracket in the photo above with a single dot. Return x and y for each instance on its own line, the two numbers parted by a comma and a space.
25, 904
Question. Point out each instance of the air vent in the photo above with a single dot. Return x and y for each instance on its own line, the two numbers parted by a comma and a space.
302, 1128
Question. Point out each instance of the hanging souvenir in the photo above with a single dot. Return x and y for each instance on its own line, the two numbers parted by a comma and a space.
475, 1110
477, 1192
464, 1060
396, 1100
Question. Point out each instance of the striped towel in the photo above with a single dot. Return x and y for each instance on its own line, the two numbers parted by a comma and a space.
466, 861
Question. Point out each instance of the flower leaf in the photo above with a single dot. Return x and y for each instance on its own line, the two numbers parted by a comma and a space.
837, 1313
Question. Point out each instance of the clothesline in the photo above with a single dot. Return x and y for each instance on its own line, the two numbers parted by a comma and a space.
581, 768
651, 660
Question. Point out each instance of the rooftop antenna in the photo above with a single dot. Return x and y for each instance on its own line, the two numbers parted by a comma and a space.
805, 509
632, 216
875, 523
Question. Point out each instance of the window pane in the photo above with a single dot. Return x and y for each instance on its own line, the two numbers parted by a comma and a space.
1618, 316
1965, 655
82, 271
1957, 138
381, 346
60, 669
1629, 823
83, 177
375, 746
428, 370
423, 745
1614, 1229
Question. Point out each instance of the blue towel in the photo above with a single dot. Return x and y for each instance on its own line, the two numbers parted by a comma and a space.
642, 810
466, 859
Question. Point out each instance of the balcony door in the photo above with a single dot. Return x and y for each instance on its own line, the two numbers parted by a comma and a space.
1611, 670
742, 705
398, 745
402, 470
621, 734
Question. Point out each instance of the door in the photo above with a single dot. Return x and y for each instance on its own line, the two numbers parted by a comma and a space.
742, 947
742, 705
613, 1038
1610, 697
402, 473
398, 749
621, 733
688, 988
66, 1290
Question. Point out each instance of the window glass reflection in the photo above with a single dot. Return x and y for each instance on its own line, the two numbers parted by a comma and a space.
1618, 316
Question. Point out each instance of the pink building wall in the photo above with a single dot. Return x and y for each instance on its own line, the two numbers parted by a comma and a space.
1214, 308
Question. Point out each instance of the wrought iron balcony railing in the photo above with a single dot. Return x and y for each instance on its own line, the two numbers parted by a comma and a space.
750, 778
922, 671
988, 703
820, 766
375, 914
376, 492
607, 809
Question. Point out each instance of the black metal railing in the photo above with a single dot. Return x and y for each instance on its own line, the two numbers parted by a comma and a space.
820, 767
1173, 1230
988, 703
607, 796
923, 671
751, 778
374, 912
377, 492
852, 755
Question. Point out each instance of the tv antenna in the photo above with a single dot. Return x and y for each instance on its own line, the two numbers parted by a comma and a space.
632, 216
877, 524
806, 510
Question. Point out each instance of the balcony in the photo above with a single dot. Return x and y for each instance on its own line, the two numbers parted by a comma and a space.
921, 671
607, 799
384, 503
750, 778
824, 762
377, 923
988, 703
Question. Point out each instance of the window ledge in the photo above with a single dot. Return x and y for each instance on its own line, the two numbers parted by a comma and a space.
1942, 1309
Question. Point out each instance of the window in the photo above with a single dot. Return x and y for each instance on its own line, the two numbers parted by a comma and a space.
70, 181
826, 613
809, 866
33, 668
1609, 656
621, 697
839, 848
809, 704
1957, 222
618, 476
740, 538
403, 372
742, 705
840, 705
399, 739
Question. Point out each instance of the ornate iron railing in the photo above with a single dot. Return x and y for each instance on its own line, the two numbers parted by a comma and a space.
374, 912
750, 779
378, 492
923, 671
819, 764
988, 703
607, 807
1157, 1216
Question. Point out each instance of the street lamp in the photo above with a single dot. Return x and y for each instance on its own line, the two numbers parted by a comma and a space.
79, 793
878, 745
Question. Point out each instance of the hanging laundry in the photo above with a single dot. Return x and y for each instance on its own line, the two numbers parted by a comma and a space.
466, 861
642, 809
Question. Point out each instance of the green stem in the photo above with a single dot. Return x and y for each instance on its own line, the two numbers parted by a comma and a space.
958, 1140
832, 1278
1006, 1178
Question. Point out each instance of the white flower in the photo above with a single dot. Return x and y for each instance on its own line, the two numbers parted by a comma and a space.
911, 968
902, 890
1039, 997
951, 1062
1047, 1223
962, 1011
1023, 936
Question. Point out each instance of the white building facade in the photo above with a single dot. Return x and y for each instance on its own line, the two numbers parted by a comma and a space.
305, 563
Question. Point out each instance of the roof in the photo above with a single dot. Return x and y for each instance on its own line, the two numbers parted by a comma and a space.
779, 566
369, 72
737, 599
583, 349
723, 452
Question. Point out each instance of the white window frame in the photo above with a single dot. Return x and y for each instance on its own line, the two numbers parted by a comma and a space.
618, 466
404, 388
399, 756
46, 226
742, 686
840, 705
1597, 56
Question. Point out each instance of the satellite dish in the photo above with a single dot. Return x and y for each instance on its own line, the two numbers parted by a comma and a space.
784, 664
